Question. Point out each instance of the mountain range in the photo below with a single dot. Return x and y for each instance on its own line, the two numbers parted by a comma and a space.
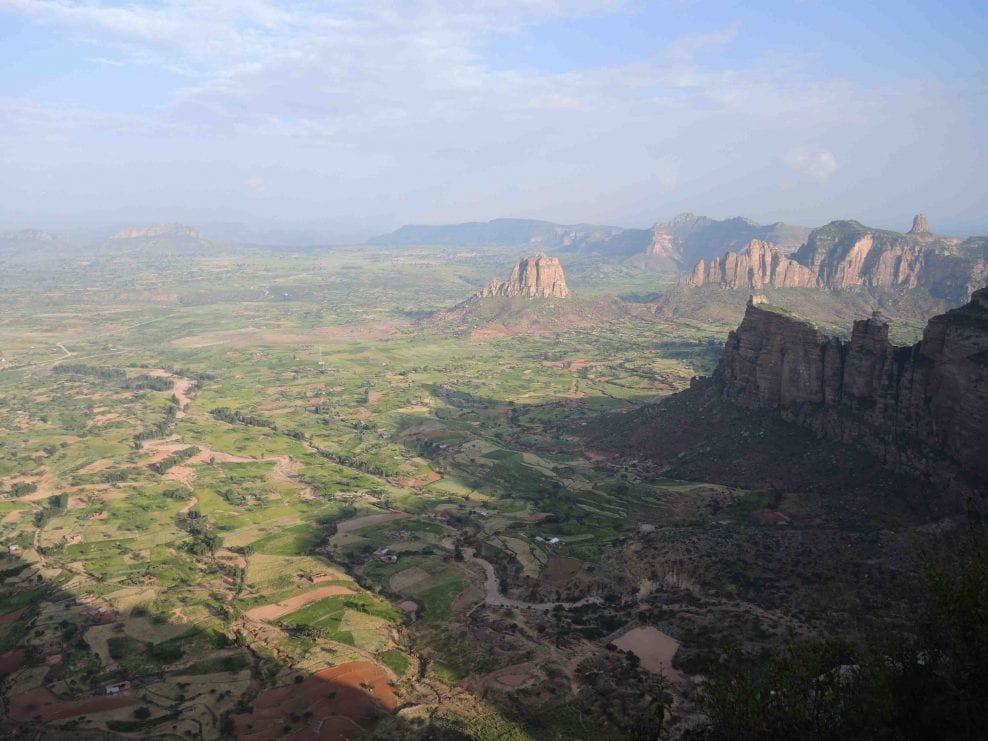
674, 244
848, 254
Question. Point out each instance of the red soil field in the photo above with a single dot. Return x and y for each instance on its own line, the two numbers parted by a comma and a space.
40, 702
339, 703
11, 617
11, 661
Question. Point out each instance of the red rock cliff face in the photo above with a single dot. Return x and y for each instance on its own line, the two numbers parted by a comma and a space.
759, 265
846, 254
921, 408
539, 276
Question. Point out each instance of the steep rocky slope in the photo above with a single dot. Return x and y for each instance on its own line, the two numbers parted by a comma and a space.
871, 426
921, 226
920, 408
847, 254
759, 265
688, 238
539, 276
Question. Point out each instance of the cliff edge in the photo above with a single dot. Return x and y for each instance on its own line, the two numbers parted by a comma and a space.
922, 408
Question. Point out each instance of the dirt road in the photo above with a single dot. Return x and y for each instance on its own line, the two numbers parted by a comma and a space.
494, 597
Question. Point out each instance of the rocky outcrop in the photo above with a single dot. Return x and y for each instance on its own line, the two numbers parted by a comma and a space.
920, 225
688, 238
539, 276
759, 265
922, 408
847, 254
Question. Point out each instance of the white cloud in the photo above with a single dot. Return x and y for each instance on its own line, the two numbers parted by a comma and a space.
818, 165
316, 70
372, 104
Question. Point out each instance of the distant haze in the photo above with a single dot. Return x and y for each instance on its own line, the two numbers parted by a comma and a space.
341, 120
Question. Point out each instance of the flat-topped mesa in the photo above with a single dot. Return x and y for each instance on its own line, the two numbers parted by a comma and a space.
914, 406
538, 276
920, 225
759, 265
159, 230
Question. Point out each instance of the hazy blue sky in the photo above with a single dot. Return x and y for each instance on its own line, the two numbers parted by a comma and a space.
371, 114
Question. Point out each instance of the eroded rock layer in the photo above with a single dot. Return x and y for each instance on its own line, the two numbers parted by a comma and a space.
846, 254
539, 276
922, 408
759, 265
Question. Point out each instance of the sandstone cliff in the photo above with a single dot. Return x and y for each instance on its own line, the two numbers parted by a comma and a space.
688, 238
846, 254
922, 408
759, 265
539, 276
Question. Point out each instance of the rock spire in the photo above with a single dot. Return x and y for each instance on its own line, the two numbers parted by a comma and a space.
538, 276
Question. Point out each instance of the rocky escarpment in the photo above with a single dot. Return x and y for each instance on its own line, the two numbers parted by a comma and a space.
759, 265
539, 276
688, 238
922, 408
847, 254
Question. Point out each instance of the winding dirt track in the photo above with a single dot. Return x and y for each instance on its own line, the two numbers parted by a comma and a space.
494, 597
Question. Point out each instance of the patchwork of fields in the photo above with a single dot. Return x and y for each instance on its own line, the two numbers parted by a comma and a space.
226, 476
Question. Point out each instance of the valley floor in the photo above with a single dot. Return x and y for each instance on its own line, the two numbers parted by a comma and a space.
260, 495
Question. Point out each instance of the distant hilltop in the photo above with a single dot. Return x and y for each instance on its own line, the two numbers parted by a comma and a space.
28, 235
501, 232
173, 231
538, 276
683, 240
